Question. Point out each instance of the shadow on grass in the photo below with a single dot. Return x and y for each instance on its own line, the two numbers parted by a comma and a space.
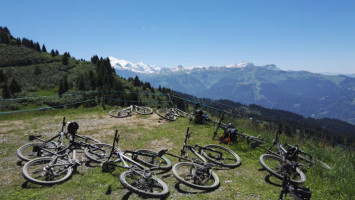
187, 190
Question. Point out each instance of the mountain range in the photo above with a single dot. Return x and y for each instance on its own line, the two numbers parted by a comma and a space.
309, 94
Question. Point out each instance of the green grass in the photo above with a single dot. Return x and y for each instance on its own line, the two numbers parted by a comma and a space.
243, 182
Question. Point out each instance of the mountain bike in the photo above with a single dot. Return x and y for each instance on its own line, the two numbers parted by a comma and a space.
294, 190
171, 113
59, 166
197, 173
275, 162
33, 150
125, 112
138, 179
303, 157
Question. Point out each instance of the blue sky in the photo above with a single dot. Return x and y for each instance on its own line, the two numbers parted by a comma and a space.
317, 36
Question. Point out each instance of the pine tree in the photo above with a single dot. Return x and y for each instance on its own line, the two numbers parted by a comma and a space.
56, 52
65, 59
52, 53
2, 77
44, 48
37, 47
65, 84
18, 41
61, 88
14, 87
136, 82
5, 91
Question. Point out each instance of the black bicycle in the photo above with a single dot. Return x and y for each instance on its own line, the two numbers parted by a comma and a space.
33, 150
139, 179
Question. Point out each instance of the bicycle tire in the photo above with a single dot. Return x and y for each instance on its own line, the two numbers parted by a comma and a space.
184, 114
136, 187
163, 163
31, 173
99, 153
26, 153
213, 181
272, 164
144, 110
119, 113
166, 113
315, 161
209, 153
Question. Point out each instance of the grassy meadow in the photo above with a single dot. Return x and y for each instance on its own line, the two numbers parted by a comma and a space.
244, 182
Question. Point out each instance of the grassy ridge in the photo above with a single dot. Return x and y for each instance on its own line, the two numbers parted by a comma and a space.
244, 182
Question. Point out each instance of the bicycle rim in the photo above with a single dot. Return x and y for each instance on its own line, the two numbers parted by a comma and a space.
189, 174
43, 171
147, 187
119, 113
273, 164
221, 156
144, 110
28, 151
166, 113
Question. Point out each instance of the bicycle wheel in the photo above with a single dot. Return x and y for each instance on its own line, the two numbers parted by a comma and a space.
149, 158
193, 175
181, 113
221, 155
34, 150
152, 187
274, 165
166, 113
47, 171
119, 113
100, 153
314, 161
143, 110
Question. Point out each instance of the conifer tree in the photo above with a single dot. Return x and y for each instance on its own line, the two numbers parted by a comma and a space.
5, 91
2, 77
65, 84
52, 53
61, 88
56, 52
14, 87
44, 48
136, 82
65, 59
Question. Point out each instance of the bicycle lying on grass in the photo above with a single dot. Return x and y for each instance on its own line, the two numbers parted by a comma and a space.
59, 164
303, 157
138, 179
33, 150
197, 173
125, 112
171, 113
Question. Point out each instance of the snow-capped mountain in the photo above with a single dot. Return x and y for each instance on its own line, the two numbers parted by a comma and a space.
134, 67
147, 69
